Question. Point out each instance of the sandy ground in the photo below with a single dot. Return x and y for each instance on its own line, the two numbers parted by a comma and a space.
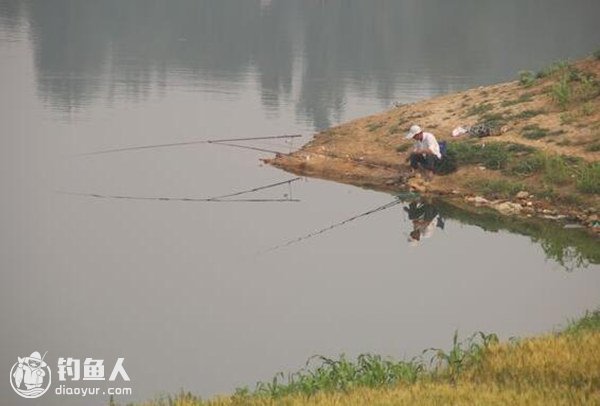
371, 151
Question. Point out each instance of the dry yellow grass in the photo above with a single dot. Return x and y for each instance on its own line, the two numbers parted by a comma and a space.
571, 360
425, 394
559, 369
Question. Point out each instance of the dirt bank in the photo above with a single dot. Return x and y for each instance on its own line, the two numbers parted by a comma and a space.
541, 160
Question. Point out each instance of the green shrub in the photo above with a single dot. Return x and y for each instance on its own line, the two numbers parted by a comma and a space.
534, 132
588, 180
479, 109
587, 109
525, 114
589, 88
526, 78
528, 165
525, 97
493, 155
567, 118
561, 92
497, 188
556, 169
589, 322
374, 126
559, 66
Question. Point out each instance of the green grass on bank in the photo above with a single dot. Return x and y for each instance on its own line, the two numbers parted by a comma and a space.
569, 84
559, 368
522, 162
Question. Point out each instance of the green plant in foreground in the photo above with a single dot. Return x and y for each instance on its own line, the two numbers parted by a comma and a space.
462, 354
374, 371
561, 92
567, 360
340, 375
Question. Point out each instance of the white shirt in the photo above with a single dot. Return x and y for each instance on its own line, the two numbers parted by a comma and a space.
429, 142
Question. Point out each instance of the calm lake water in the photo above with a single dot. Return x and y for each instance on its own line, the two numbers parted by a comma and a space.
191, 293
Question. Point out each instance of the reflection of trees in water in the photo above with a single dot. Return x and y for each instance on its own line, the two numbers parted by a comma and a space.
571, 248
88, 49
10, 14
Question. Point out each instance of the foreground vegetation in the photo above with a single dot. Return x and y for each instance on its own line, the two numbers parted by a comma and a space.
559, 369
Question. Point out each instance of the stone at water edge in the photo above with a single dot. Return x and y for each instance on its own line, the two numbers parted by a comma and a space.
508, 208
477, 200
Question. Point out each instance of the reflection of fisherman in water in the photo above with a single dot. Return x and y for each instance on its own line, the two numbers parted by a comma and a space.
30, 372
425, 218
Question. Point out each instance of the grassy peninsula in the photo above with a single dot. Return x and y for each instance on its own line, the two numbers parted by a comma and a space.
542, 158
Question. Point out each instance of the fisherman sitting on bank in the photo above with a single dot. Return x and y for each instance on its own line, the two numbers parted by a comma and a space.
426, 152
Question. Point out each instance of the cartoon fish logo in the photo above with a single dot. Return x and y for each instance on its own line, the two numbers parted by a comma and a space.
30, 376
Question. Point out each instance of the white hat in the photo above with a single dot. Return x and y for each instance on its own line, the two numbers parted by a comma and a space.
414, 130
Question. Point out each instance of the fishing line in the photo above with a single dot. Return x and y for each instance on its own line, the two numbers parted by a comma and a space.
335, 225
222, 198
289, 182
271, 151
176, 144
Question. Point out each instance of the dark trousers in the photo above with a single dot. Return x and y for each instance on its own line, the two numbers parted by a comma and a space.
427, 161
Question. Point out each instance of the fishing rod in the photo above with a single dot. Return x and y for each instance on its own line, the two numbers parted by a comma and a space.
272, 185
338, 224
177, 144
228, 142
271, 151
221, 198
41, 361
177, 199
